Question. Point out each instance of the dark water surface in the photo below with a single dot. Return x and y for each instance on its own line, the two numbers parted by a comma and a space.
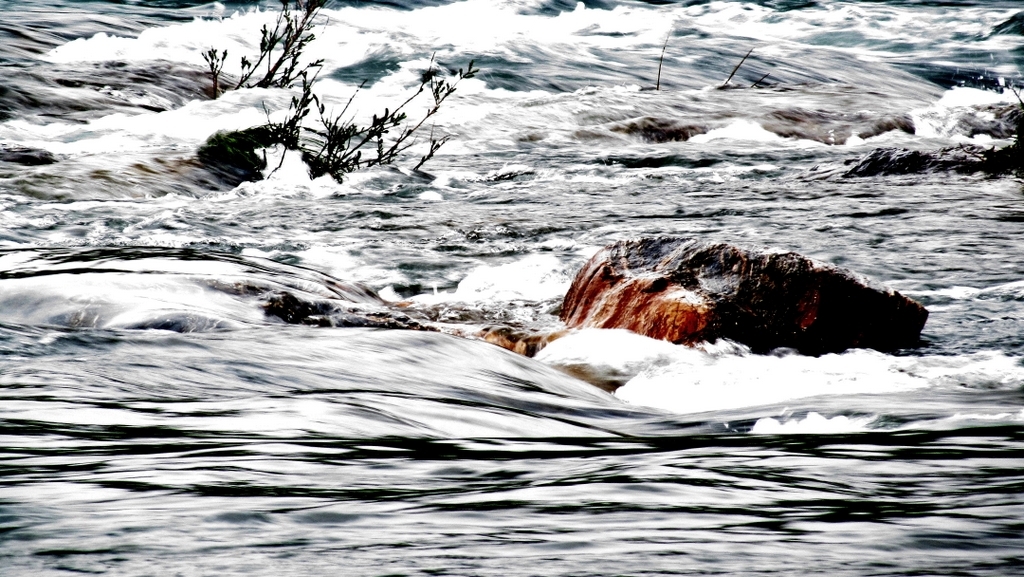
157, 419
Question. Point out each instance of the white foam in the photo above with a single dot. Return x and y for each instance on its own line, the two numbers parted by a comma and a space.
699, 384
746, 130
187, 126
988, 417
943, 119
1011, 289
1014, 289
956, 292
351, 33
482, 118
559, 244
814, 423
536, 277
176, 43
693, 380
389, 294
339, 262
965, 96
287, 175
611, 353
116, 301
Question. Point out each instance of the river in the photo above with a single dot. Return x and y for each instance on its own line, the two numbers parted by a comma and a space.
155, 420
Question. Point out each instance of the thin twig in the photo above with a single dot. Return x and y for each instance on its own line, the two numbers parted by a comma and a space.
737, 67
662, 59
766, 75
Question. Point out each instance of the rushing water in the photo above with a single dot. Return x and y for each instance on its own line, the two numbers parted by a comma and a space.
154, 420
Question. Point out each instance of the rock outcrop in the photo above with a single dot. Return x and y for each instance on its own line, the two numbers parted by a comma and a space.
679, 290
686, 291
897, 161
25, 156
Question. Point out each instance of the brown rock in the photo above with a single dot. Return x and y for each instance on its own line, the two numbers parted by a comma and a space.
686, 291
652, 129
526, 343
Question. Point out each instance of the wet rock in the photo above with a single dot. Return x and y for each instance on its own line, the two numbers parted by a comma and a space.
343, 304
293, 309
325, 302
833, 127
651, 129
234, 156
179, 322
328, 287
525, 342
995, 121
686, 291
894, 161
25, 156
900, 122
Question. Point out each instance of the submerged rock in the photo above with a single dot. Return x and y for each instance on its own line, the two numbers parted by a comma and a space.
342, 305
293, 309
651, 129
833, 127
686, 291
997, 121
25, 156
895, 161
234, 157
966, 159
525, 342
818, 125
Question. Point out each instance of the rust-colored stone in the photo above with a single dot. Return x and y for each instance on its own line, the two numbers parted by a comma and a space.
525, 343
686, 291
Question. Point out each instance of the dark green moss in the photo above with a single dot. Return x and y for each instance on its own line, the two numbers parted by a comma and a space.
234, 154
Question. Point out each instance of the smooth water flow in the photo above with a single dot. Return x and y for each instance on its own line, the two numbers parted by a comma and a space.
156, 420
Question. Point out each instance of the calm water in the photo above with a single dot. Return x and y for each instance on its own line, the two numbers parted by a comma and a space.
154, 420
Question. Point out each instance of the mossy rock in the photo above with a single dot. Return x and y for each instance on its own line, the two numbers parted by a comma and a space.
233, 155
